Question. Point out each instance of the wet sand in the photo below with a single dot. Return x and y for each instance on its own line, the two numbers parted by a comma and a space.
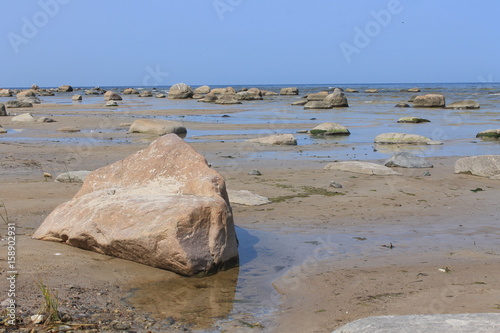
340, 265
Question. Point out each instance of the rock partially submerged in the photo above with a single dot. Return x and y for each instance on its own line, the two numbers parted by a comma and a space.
464, 105
278, 139
413, 120
489, 134
157, 127
407, 160
403, 138
162, 206
112, 96
289, 91
481, 165
362, 167
18, 104
329, 129
439, 323
429, 101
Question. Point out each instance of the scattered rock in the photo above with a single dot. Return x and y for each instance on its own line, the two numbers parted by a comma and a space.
157, 127
314, 105
209, 98
402, 105
227, 98
72, 176
112, 96
269, 93
43, 92
336, 99
38, 318
68, 129
26, 93
481, 165
371, 91
111, 103
460, 323
351, 90
426, 174
5, 93
45, 120
429, 101
92, 92
180, 91
362, 167
329, 129
65, 88
3, 111
464, 105
25, 118
335, 185
246, 198
162, 206
413, 90
146, 93
301, 102
160, 96
202, 90
278, 139
488, 134
289, 91
249, 95
413, 120
403, 138
218, 91
32, 100
77, 97
254, 172
317, 96
407, 160
130, 91
2, 130
18, 104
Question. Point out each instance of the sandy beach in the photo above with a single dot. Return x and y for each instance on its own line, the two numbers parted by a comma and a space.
408, 244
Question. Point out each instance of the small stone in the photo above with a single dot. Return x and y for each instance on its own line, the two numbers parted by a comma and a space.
426, 174
161, 96
68, 129
254, 172
111, 103
77, 97
335, 185
45, 120
38, 318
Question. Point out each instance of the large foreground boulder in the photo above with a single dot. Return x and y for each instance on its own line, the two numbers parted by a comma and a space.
366, 168
278, 139
429, 101
157, 126
439, 323
403, 138
162, 206
482, 165
180, 91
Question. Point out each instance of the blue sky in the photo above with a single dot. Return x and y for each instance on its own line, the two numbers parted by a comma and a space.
131, 43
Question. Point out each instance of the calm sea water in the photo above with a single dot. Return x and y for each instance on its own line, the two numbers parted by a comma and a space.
367, 116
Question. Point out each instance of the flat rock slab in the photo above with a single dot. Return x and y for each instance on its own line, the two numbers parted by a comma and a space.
482, 165
407, 160
278, 139
157, 127
246, 198
24, 118
330, 129
403, 138
456, 323
362, 167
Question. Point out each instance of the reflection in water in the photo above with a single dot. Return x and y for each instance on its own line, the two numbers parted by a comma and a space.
198, 301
